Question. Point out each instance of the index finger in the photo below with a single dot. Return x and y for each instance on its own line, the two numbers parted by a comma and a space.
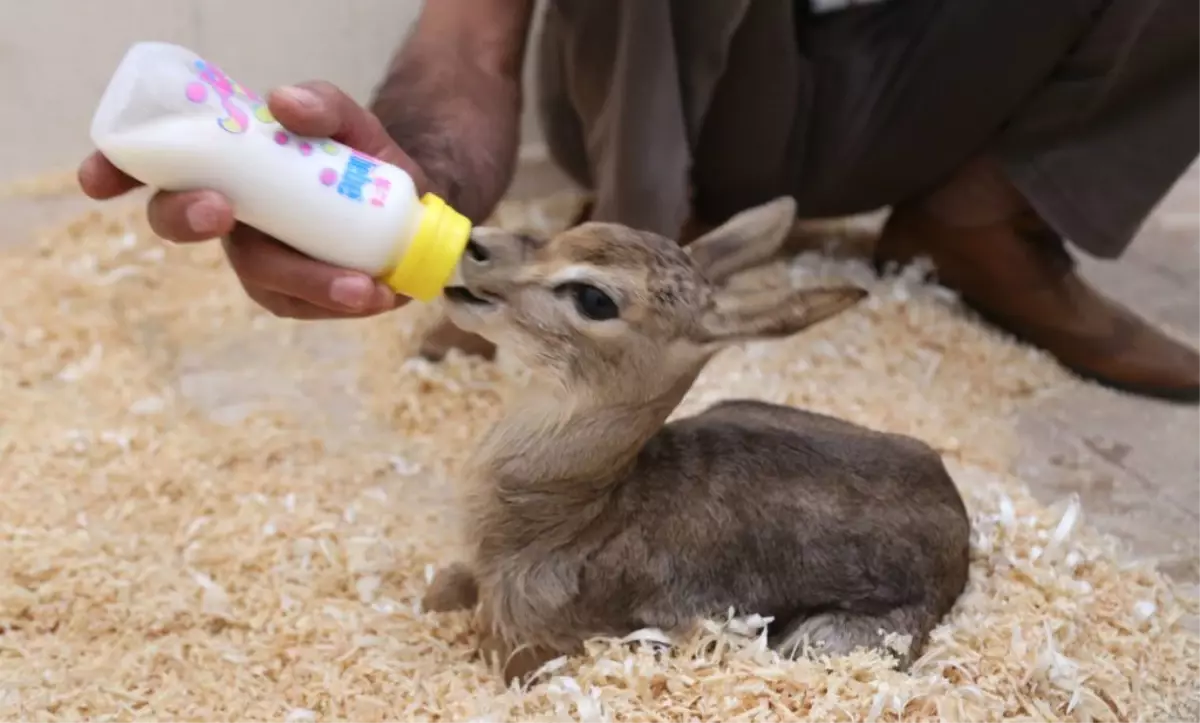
322, 110
101, 180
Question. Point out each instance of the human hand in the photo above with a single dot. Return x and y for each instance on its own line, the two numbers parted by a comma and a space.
280, 279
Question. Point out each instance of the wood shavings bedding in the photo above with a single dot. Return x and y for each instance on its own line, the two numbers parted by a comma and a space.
211, 514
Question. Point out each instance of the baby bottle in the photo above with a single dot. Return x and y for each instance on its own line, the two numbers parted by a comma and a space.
176, 122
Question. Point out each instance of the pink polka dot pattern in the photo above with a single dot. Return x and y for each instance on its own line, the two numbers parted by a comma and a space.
328, 176
196, 92
281, 138
306, 149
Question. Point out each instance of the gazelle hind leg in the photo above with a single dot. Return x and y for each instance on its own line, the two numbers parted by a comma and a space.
841, 632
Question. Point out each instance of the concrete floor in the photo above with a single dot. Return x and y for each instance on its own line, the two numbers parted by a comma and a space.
1135, 463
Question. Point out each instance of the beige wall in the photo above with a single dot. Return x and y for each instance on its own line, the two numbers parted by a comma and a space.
57, 55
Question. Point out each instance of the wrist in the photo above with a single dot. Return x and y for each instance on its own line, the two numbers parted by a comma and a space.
459, 125
451, 98
488, 36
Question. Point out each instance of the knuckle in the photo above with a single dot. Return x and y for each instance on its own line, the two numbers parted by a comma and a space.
374, 125
281, 309
164, 216
324, 89
247, 256
235, 253
275, 304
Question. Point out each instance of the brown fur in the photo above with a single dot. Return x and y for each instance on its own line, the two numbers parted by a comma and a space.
590, 516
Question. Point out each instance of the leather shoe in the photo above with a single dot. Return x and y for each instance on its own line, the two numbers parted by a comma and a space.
1019, 275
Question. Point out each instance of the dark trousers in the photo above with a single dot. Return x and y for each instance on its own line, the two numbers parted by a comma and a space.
666, 108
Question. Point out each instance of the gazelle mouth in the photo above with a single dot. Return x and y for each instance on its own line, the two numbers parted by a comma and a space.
463, 295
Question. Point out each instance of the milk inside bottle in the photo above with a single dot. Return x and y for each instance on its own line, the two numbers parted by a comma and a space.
177, 122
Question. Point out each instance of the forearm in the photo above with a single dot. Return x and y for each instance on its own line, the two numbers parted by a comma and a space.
451, 98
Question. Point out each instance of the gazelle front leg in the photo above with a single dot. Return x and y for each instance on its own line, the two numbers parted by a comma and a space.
453, 588
515, 663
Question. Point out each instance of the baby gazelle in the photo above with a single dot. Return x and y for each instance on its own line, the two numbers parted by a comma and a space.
591, 517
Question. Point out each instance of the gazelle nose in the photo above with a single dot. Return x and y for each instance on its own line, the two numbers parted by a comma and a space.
477, 252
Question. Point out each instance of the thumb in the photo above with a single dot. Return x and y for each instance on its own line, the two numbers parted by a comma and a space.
319, 109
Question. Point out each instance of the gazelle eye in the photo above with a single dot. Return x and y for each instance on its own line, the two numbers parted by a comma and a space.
590, 302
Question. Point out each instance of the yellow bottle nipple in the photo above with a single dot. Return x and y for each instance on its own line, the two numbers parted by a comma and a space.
433, 252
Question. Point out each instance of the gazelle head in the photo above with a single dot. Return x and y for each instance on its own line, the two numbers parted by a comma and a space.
624, 316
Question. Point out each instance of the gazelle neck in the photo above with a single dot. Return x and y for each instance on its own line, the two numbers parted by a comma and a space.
548, 466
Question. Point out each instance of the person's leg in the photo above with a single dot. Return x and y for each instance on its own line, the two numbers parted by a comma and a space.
993, 129
1086, 158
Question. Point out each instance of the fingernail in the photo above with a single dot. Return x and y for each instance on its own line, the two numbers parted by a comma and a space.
202, 216
299, 96
353, 292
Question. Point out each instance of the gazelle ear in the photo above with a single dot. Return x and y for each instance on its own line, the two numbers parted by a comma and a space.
746, 240
773, 314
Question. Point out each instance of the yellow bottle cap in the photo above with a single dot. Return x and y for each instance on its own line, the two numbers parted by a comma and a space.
433, 252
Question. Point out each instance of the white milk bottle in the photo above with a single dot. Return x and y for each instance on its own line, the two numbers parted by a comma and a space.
176, 122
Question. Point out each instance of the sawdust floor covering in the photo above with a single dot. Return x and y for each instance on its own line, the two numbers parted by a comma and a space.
211, 514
